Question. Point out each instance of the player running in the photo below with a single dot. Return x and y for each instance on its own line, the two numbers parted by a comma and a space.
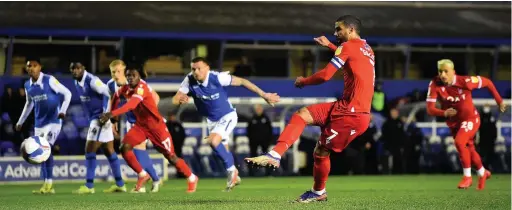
211, 100
340, 121
117, 70
43, 92
454, 92
95, 99
150, 125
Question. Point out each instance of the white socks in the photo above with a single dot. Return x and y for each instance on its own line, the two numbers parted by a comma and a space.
48, 181
232, 168
467, 172
321, 192
192, 178
481, 171
143, 173
274, 154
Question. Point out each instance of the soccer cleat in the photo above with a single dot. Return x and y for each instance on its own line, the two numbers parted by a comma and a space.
309, 196
40, 190
266, 160
192, 186
482, 179
84, 190
156, 187
114, 189
139, 190
233, 180
141, 182
465, 183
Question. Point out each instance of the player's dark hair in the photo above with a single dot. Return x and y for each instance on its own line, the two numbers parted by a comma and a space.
200, 59
143, 74
351, 21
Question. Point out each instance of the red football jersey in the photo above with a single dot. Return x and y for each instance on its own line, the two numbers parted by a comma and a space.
141, 103
456, 95
358, 61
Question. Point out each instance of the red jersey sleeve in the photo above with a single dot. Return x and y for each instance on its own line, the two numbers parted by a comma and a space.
432, 99
140, 92
477, 82
341, 55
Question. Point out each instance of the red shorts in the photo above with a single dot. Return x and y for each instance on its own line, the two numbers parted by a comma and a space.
158, 135
338, 129
464, 132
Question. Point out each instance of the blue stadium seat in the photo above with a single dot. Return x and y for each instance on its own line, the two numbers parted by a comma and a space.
190, 157
443, 131
242, 151
7, 149
426, 131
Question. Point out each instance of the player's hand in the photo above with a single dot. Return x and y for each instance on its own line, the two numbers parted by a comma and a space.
322, 40
503, 107
115, 131
450, 112
183, 99
105, 117
298, 82
62, 115
271, 98
18, 127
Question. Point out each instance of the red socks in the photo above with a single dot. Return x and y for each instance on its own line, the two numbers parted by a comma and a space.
290, 134
475, 158
464, 154
131, 160
183, 168
321, 170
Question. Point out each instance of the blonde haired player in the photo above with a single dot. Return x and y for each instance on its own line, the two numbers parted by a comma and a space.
454, 93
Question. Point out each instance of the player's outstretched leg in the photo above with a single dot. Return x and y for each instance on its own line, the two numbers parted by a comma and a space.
461, 142
113, 160
229, 163
143, 157
321, 169
183, 168
483, 174
131, 160
290, 134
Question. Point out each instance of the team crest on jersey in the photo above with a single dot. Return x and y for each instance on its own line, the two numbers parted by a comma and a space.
140, 91
98, 83
474, 79
338, 50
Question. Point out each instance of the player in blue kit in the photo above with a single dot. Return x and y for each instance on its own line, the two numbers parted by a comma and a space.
43, 93
211, 100
117, 71
95, 98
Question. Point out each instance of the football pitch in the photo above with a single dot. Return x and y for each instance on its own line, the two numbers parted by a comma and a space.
344, 192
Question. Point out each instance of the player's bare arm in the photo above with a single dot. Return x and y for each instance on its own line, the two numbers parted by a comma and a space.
180, 98
322, 40
270, 98
155, 95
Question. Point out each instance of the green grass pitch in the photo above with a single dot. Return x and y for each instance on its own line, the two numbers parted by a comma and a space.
344, 192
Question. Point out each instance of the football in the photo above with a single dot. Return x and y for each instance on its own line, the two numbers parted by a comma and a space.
35, 149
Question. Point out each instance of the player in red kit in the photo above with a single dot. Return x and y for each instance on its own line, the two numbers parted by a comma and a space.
454, 93
149, 125
340, 121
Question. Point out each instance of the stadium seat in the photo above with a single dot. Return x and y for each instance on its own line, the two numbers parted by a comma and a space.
443, 131
242, 140
7, 148
449, 140
189, 157
435, 144
209, 161
190, 141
